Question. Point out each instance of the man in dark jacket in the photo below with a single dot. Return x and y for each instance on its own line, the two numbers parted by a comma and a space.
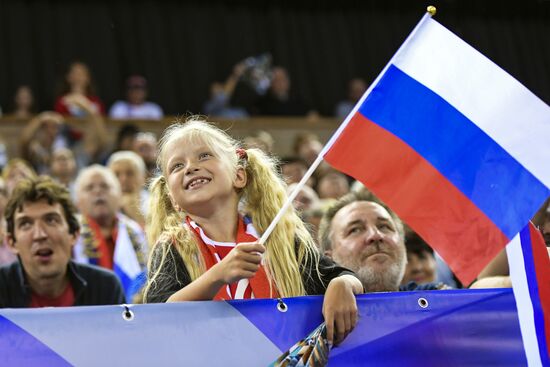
42, 230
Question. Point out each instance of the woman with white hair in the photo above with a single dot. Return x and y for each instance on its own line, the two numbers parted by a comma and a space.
129, 168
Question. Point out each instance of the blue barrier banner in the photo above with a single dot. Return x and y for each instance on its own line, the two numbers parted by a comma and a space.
431, 328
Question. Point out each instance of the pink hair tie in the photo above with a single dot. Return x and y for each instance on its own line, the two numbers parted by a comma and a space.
241, 153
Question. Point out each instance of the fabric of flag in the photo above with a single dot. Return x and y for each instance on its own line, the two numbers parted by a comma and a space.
126, 264
129, 257
453, 144
312, 351
452, 328
530, 274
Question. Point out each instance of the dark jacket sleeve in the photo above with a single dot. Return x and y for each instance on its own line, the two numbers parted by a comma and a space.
109, 288
166, 277
317, 275
94, 286
13, 294
118, 293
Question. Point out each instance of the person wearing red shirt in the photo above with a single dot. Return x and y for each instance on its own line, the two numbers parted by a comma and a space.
78, 83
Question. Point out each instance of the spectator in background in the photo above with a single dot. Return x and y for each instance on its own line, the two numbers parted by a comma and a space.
308, 206
136, 105
108, 237
424, 265
332, 185
307, 146
260, 139
313, 219
356, 89
7, 256
145, 144
421, 265
47, 132
130, 171
219, 104
16, 170
306, 199
40, 137
125, 140
23, 103
293, 169
42, 229
78, 84
63, 168
279, 101
126, 137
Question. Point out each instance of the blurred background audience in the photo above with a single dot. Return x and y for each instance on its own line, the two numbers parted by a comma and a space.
23, 103
136, 105
77, 85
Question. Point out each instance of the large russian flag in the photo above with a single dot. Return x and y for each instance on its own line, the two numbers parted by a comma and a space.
451, 142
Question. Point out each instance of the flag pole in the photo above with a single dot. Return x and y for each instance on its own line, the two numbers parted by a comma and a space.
430, 11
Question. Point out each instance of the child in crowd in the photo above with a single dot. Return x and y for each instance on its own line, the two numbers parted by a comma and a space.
421, 265
205, 249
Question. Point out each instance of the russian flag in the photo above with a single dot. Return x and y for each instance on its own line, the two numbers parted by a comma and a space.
530, 272
451, 142
125, 260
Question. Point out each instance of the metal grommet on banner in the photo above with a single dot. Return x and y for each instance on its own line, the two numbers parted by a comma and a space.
281, 306
423, 302
127, 314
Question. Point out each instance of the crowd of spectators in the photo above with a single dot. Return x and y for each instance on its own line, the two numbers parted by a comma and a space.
273, 95
105, 190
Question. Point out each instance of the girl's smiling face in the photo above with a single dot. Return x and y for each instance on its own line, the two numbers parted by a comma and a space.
198, 178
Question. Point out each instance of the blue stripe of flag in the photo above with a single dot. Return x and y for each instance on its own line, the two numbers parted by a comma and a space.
480, 168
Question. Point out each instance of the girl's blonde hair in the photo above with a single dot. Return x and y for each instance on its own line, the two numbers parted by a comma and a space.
289, 246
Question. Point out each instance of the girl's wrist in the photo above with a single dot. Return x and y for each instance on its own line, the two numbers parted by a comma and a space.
350, 282
216, 275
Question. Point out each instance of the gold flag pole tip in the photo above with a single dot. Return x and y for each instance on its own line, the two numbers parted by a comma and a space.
432, 10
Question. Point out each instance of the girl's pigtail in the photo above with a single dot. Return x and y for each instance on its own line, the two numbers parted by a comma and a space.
160, 209
264, 195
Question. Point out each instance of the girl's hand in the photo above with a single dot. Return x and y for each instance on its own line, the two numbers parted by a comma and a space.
340, 307
242, 262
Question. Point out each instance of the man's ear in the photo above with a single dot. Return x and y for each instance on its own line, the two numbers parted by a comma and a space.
240, 178
328, 253
11, 242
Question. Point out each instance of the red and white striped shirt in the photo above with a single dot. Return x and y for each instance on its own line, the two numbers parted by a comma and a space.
245, 233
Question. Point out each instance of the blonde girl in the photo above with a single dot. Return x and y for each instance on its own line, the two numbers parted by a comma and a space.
205, 249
